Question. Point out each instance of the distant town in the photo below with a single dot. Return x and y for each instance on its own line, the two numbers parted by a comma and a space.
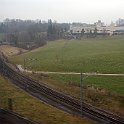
99, 26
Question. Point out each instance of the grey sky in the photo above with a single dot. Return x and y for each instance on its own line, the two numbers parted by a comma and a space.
87, 11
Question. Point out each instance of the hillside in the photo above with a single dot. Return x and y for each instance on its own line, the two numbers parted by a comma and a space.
100, 55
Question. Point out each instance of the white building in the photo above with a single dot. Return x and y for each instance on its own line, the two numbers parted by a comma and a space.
76, 28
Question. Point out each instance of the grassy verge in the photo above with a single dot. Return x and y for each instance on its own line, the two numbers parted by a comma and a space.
95, 95
113, 84
34, 109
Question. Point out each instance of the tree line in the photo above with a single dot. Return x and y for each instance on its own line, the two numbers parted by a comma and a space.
32, 31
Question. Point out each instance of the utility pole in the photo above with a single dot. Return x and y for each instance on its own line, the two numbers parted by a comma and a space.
3, 66
24, 64
81, 92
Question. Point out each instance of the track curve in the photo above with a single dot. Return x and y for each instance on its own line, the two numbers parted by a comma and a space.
56, 98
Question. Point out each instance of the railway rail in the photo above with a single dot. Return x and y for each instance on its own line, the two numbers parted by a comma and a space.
56, 98
8, 117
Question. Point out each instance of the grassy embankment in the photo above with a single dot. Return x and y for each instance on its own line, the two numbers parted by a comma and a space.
34, 109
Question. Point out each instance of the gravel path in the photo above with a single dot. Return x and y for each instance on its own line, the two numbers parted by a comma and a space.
67, 73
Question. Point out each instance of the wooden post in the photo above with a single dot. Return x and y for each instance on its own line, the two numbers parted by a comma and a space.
24, 64
10, 107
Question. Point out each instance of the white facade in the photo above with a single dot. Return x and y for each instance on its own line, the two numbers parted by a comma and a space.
101, 28
78, 28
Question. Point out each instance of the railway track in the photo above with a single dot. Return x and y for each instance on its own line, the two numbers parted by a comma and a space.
55, 98
8, 117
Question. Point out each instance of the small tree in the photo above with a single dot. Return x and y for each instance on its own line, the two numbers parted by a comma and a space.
82, 32
104, 32
50, 29
90, 34
95, 32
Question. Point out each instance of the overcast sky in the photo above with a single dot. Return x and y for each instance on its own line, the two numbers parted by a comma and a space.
87, 11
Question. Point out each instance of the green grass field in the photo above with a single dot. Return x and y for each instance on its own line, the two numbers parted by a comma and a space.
103, 55
89, 55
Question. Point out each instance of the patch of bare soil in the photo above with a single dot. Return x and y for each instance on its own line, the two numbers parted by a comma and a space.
10, 50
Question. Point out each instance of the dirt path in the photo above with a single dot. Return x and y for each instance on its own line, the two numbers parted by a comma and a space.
66, 73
